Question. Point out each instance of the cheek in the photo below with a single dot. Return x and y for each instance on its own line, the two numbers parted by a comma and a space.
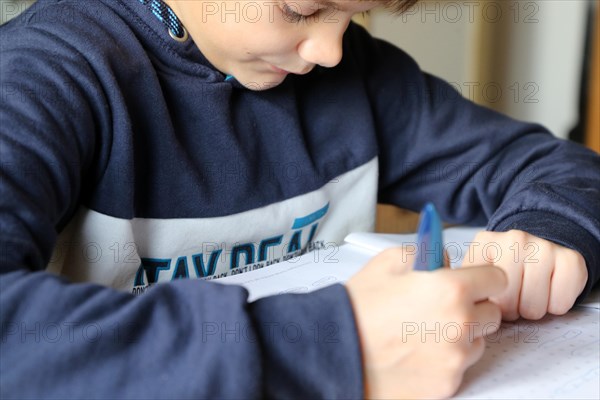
244, 35
271, 34
271, 40
271, 47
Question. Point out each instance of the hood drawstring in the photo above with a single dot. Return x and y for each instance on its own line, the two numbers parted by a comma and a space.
165, 15
176, 29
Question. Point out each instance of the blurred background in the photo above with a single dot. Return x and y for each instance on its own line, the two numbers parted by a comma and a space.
527, 59
534, 60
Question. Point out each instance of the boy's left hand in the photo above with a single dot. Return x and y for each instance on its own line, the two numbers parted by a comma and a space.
543, 277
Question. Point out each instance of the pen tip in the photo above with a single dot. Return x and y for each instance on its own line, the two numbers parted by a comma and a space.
429, 207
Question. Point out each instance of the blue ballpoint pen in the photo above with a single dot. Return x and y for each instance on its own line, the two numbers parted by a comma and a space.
430, 253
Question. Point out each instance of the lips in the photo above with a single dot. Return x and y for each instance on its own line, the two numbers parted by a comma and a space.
284, 71
279, 70
305, 70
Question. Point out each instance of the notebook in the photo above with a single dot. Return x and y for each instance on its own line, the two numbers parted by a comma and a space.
557, 357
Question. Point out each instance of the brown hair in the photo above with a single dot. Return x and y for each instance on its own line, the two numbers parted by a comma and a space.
399, 6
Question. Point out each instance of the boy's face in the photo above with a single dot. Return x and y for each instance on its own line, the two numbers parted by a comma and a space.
260, 42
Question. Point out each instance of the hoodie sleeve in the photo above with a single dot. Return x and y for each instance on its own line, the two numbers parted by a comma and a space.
78, 340
477, 166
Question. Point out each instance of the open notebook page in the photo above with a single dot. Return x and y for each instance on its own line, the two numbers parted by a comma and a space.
556, 357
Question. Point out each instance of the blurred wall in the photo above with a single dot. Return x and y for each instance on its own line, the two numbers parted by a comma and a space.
523, 58
11, 8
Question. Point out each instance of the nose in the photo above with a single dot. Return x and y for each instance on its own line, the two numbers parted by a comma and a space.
323, 45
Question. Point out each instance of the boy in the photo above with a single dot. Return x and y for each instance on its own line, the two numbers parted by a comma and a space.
192, 139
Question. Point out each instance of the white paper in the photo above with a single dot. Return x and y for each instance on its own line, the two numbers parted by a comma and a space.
312, 271
554, 358
456, 242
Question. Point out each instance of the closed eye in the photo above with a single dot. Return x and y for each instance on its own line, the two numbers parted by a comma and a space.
291, 13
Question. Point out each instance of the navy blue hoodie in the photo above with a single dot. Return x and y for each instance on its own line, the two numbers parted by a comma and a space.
129, 163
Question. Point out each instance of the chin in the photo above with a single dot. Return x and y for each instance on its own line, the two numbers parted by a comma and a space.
264, 83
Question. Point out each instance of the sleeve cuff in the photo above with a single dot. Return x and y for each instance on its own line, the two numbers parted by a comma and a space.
559, 230
310, 345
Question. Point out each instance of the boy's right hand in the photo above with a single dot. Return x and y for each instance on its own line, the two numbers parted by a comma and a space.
420, 331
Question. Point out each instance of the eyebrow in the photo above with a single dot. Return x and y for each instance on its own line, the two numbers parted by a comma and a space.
326, 3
